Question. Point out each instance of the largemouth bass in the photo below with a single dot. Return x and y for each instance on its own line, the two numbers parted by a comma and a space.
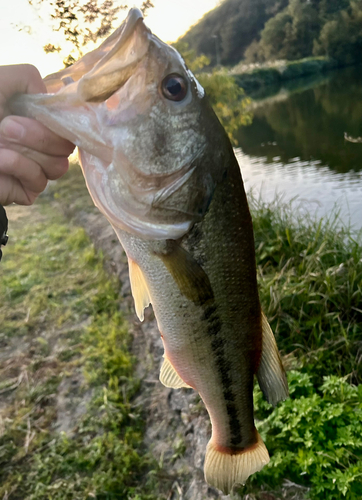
161, 168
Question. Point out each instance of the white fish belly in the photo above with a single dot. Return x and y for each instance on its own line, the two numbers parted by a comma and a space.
184, 333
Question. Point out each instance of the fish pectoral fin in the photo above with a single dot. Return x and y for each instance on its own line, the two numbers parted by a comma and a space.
271, 375
139, 288
169, 376
223, 469
189, 276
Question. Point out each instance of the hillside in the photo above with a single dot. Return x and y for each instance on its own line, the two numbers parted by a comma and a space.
231, 28
264, 30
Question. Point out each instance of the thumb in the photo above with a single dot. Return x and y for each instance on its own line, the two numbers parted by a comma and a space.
20, 78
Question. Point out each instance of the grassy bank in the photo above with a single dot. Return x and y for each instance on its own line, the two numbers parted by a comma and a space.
255, 79
65, 362
68, 429
310, 278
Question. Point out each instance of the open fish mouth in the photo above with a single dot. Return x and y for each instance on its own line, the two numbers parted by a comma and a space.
142, 151
121, 50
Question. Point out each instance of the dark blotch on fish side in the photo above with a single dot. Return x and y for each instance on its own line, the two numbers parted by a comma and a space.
217, 344
214, 327
228, 395
234, 423
194, 237
209, 311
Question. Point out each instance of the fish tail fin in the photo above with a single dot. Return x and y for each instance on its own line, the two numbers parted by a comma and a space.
223, 469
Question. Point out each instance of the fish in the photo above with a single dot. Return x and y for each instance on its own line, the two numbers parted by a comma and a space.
159, 165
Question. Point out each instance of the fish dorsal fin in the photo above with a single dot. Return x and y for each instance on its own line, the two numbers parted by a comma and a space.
169, 376
271, 375
139, 288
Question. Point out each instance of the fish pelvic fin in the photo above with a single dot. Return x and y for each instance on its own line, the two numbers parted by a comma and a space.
223, 469
169, 376
271, 375
139, 288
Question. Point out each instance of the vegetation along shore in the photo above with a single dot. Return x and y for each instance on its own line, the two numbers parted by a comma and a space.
82, 413
69, 385
268, 42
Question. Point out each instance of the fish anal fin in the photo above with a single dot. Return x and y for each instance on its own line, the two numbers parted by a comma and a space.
169, 376
189, 276
271, 375
224, 469
139, 288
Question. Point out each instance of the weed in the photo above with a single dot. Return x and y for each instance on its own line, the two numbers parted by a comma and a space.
314, 438
59, 315
310, 278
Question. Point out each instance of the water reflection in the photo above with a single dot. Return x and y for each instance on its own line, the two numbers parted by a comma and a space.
295, 146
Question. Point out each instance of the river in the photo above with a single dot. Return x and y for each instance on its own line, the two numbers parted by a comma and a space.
295, 146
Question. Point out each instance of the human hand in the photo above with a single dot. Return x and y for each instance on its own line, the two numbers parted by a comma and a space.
30, 153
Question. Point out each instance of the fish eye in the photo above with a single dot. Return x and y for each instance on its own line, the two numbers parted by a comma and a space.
174, 87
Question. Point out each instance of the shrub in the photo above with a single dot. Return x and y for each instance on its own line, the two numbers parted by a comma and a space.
314, 438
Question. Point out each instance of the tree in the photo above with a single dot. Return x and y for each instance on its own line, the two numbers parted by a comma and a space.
273, 37
230, 28
329, 7
291, 33
341, 36
82, 21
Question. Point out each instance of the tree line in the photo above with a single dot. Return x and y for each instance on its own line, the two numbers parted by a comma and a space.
263, 30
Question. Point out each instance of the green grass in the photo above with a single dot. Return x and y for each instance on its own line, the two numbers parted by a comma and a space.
60, 318
310, 279
314, 438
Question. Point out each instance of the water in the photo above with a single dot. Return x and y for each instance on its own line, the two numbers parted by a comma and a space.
295, 146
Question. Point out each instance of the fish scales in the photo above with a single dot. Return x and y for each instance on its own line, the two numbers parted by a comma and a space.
234, 317
160, 167
227, 333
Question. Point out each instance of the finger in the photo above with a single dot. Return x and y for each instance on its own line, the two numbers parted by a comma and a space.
28, 172
34, 135
20, 78
12, 191
53, 167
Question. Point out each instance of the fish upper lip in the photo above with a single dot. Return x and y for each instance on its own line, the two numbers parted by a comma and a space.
129, 26
133, 16
91, 62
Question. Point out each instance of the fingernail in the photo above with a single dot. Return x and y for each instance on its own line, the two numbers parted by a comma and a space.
11, 129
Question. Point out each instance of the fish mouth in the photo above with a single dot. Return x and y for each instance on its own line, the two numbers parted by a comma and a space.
80, 104
101, 72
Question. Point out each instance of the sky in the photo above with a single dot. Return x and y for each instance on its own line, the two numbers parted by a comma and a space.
23, 33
